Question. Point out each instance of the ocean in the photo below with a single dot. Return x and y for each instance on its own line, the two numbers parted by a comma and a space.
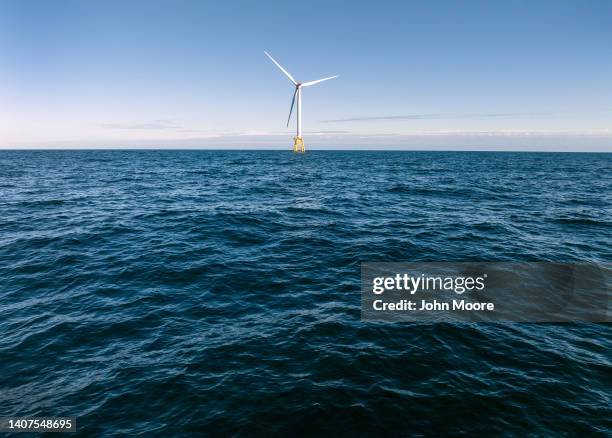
167, 293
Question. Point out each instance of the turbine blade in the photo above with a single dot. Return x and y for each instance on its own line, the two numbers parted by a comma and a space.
291, 110
281, 67
306, 84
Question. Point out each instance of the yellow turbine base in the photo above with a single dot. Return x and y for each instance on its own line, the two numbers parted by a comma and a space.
298, 145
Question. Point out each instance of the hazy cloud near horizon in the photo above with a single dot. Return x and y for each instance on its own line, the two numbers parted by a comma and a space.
476, 141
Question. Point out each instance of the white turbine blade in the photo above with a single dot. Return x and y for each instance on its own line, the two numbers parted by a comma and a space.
306, 84
281, 67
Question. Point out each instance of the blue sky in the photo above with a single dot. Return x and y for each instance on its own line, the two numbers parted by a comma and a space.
481, 74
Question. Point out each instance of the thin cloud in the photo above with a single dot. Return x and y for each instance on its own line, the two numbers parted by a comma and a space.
432, 117
158, 124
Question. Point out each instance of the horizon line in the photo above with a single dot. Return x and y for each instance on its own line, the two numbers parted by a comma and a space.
55, 149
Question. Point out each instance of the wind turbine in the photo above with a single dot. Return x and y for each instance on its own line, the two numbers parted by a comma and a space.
298, 142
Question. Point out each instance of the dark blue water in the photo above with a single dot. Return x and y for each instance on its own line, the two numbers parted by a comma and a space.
173, 292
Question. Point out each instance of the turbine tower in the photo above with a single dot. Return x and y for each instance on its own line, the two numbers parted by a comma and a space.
298, 142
